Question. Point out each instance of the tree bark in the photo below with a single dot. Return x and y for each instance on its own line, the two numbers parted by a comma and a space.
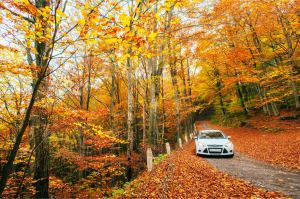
39, 123
89, 83
173, 71
219, 90
286, 27
112, 93
153, 125
130, 104
241, 98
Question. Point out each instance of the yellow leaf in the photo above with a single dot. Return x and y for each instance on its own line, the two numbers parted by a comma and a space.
152, 36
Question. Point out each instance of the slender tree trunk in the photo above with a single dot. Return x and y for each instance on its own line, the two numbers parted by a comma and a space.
8, 166
189, 84
241, 97
89, 83
163, 111
219, 86
173, 71
257, 86
257, 44
129, 115
144, 122
286, 27
274, 108
266, 104
135, 113
112, 92
185, 106
156, 70
153, 125
219, 90
80, 146
296, 96
39, 121
130, 104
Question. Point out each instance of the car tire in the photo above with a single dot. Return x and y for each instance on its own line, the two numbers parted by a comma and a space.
231, 156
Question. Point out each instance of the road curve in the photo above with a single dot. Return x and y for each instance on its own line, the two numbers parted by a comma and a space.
259, 173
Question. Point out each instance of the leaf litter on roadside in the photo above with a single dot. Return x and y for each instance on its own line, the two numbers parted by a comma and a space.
184, 175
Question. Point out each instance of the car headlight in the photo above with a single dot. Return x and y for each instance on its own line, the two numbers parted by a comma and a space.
229, 145
201, 144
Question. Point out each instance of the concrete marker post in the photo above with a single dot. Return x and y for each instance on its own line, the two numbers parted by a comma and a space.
168, 148
149, 159
185, 138
180, 142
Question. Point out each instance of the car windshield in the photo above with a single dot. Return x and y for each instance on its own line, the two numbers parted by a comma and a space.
211, 135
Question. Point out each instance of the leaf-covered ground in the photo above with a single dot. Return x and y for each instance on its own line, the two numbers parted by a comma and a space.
270, 140
184, 175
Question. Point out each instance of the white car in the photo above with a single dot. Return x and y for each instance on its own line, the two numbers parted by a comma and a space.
214, 142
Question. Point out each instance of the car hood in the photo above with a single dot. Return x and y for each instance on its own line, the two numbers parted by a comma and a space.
213, 141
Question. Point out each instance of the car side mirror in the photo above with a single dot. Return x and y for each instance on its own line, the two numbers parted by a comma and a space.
229, 137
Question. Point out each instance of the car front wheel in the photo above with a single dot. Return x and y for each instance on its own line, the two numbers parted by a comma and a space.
231, 156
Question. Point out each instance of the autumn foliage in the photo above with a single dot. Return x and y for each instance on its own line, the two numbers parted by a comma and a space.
86, 86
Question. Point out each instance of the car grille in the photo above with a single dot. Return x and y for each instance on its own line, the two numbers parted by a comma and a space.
214, 145
215, 150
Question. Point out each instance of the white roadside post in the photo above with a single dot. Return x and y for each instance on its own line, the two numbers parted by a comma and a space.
149, 159
168, 148
185, 138
179, 142
191, 136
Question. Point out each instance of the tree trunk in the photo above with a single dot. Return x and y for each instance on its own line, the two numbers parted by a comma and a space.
275, 109
39, 122
7, 168
286, 27
144, 122
130, 104
112, 92
296, 96
163, 111
89, 83
241, 98
41, 167
129, 115
173, 71
219, 86
261, 97
153, 125
189, 85
219, 90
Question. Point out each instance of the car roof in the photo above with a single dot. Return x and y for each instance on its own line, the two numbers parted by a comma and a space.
210, 130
